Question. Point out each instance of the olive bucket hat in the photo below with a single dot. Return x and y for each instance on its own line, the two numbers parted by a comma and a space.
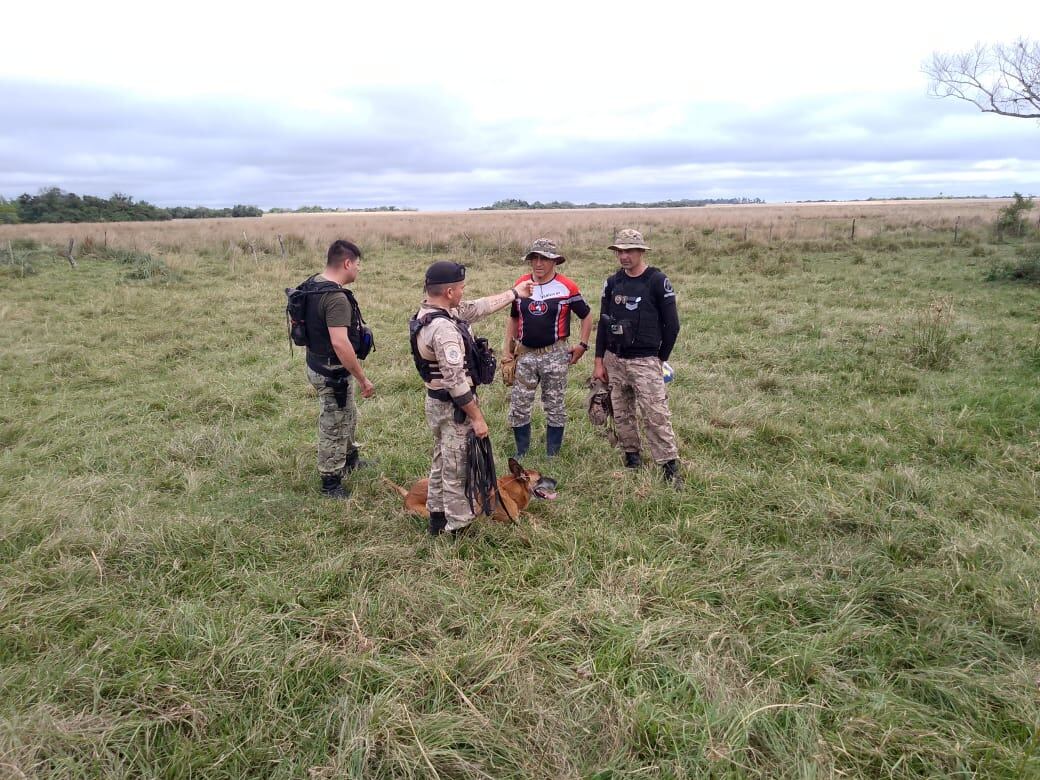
629, 239
547, 248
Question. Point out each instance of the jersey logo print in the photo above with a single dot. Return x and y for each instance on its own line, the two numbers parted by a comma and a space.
537, 308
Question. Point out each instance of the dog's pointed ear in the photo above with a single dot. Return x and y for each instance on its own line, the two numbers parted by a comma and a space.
515, 469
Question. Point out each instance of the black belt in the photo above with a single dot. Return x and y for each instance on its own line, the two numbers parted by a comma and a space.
315, 362
444, 395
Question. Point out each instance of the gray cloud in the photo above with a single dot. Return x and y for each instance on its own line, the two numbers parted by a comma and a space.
407, 146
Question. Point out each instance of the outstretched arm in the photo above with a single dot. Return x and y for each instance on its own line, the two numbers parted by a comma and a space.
471, 311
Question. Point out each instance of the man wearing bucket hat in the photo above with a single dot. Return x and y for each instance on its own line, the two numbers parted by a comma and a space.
638, 326
537, 333
444, 351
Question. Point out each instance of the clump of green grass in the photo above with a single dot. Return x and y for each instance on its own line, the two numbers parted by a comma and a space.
932, 340
1024, 269
16, 263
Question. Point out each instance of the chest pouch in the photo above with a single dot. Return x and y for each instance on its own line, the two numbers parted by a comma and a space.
622, 332
483, 363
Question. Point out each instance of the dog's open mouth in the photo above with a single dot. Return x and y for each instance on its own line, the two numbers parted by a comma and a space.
545, 488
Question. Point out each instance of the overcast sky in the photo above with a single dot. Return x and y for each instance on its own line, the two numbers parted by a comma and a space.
454, 105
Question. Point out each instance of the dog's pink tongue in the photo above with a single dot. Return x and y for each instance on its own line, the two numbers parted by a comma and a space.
548, 496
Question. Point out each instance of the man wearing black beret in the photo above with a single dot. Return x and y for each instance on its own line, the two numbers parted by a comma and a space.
442, 346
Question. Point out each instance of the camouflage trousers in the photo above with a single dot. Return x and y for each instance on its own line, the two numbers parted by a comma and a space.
548, 369
336, 426
447, 490
636, 385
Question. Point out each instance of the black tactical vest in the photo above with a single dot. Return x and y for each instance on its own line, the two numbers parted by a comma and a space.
632, 315
319, 343
480, 358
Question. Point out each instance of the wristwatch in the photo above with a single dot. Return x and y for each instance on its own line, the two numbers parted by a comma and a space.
516, 295
583, 345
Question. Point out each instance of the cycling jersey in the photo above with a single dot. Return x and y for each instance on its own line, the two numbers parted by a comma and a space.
544, 318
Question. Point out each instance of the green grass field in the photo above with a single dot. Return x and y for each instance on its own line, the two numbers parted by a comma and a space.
849, 585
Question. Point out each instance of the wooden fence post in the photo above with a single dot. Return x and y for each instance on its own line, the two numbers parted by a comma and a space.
956, 228
251, 247
68, 253
853, 236
282, 245
745, 232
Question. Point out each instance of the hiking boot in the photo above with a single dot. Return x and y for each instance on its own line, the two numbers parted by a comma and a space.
632, 460
671, 473
354, 462
437, 523
553, 440
332, 487
522, 435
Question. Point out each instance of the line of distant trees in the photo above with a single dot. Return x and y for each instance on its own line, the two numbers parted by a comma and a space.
515, 203
323, 210
56, 205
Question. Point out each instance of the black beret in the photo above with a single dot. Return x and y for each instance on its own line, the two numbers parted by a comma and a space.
445, 272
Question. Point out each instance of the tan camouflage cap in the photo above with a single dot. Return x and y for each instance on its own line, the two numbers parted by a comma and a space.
545, 247
628, 238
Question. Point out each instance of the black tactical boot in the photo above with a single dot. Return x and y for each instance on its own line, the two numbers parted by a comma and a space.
671, 474
553, 440
354, 462
332, 487
522, 435
632, 460
437, 523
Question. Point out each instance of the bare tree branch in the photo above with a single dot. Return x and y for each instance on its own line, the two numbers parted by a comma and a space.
999, 79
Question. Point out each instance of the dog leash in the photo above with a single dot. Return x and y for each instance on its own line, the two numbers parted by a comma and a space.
481, 479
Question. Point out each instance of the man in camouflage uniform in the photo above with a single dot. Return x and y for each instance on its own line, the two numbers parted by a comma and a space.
638, 326
452, 410
332, 364
537, 333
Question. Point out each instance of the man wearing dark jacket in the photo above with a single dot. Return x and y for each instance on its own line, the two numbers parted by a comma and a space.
638, 326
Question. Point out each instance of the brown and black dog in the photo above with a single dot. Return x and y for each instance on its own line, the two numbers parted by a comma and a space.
516, 490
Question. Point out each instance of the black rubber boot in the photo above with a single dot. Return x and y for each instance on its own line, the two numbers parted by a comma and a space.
671, 474
632, 460
522, 435
354, 462
553, 439
437, 523
332, 487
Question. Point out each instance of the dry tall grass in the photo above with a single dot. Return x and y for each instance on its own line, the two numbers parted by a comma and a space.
435, 231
